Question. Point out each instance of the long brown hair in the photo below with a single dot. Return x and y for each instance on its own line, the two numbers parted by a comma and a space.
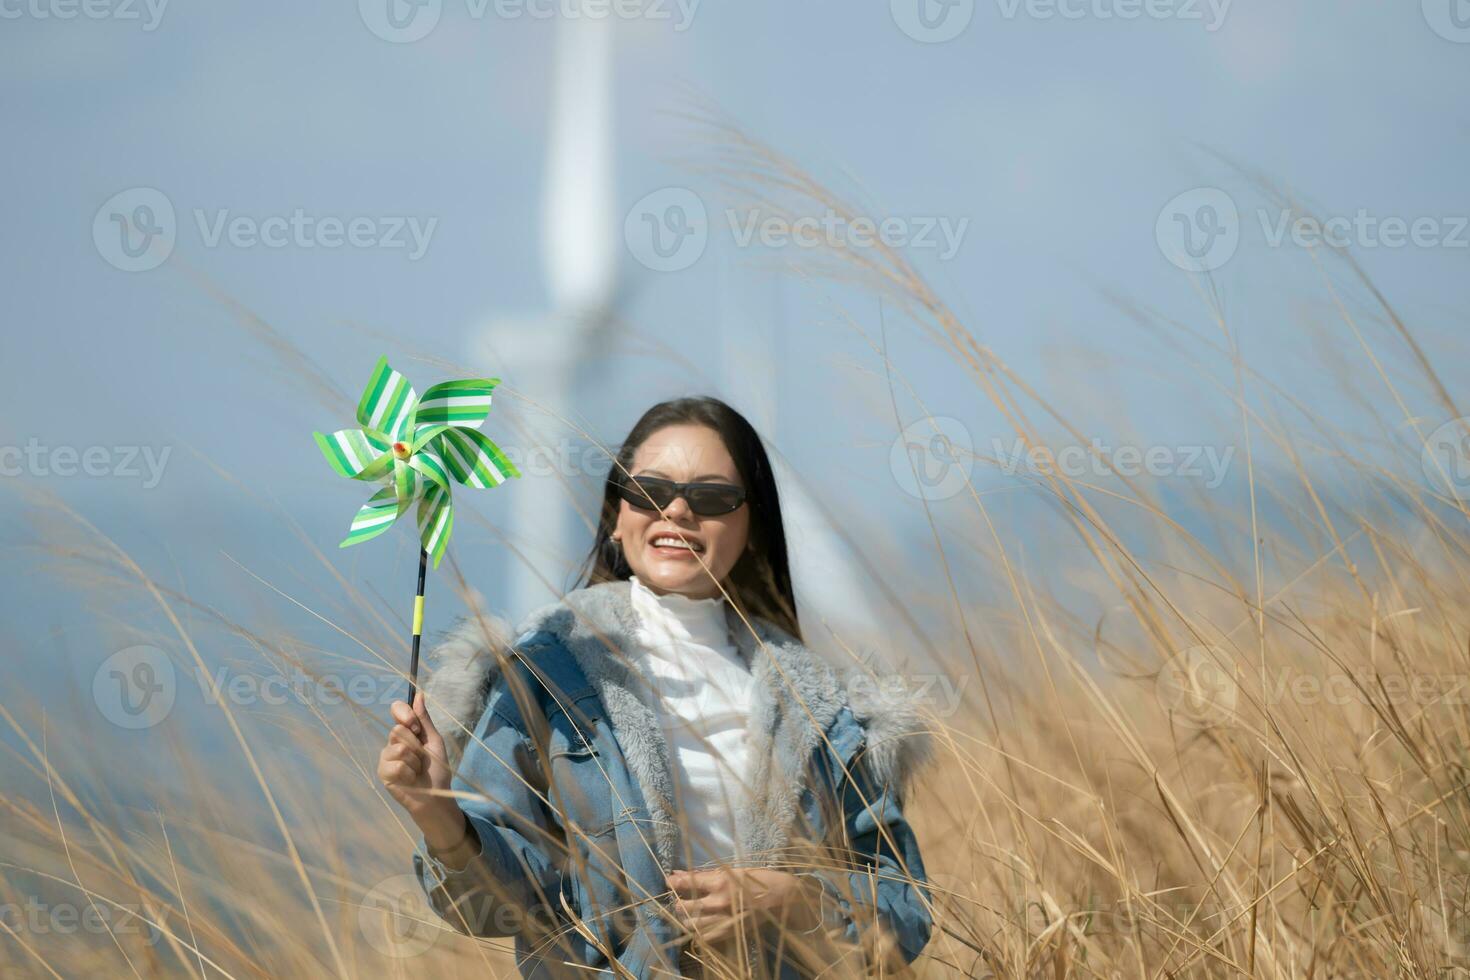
760, 582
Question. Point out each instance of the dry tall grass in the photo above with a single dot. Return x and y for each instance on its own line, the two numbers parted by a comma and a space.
1254, 765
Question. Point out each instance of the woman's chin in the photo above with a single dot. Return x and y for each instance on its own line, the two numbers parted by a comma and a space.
675, 576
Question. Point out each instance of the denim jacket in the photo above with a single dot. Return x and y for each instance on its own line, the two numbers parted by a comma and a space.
564, 775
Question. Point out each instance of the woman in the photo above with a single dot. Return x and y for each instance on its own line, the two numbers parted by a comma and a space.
656, 774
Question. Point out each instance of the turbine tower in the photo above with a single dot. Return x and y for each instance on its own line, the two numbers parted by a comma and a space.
579, 269
837, 607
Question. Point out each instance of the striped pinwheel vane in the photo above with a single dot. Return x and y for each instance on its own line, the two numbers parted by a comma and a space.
416, 446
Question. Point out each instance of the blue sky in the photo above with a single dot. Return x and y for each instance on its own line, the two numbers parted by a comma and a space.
1056, 141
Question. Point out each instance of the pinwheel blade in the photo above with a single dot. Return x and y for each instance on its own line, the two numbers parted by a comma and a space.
473, 459
436, 521
388, 403
430, 467
425, 434
463, 404
375, 517
356, 454
407, 484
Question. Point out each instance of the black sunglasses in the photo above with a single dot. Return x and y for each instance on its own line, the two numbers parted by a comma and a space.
705, 499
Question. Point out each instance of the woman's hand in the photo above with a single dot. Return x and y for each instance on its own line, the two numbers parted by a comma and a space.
413, 766
711, 903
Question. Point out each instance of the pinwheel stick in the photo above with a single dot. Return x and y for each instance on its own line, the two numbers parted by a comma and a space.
418, 628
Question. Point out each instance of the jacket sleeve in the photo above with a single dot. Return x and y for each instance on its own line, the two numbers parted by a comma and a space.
514, 884
884, 885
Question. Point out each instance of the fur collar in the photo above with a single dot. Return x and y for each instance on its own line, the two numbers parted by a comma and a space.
798, 697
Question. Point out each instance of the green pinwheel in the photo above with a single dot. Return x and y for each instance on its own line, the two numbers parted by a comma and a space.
416, 446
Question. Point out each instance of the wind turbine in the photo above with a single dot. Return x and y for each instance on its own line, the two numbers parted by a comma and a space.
579, 246
580, 272
837, 607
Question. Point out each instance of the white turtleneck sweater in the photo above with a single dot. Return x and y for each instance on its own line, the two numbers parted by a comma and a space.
706, 690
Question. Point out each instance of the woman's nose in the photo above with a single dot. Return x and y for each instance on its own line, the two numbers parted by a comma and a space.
678, 509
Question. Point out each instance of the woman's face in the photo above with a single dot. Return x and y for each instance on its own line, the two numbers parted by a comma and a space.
684, 454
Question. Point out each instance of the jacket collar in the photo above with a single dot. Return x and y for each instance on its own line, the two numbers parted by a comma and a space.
798, 697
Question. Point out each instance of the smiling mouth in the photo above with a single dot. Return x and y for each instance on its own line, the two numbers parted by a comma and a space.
671, 546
